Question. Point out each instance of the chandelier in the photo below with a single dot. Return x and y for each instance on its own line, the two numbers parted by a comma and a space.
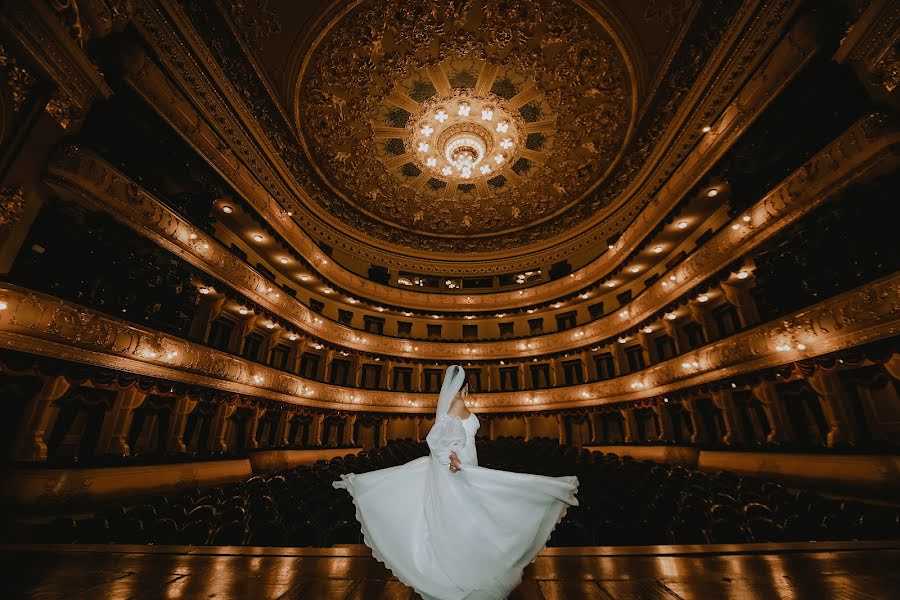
465, 137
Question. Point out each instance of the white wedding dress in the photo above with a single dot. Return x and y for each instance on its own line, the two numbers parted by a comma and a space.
454, 536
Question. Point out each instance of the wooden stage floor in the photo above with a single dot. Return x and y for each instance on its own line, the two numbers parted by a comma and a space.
820, 571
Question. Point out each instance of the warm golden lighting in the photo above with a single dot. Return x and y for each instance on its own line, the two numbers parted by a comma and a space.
682, 224
227, 210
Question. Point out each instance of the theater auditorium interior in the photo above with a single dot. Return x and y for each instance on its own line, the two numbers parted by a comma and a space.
241, 241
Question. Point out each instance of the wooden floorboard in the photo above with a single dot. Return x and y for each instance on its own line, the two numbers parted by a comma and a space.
840, 571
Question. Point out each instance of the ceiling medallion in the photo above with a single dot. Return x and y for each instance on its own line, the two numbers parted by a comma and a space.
464, 126
464, 137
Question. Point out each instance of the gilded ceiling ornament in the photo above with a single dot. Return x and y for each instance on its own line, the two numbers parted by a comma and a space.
12, 206
64, 110
255, 20
512, 110
18, 78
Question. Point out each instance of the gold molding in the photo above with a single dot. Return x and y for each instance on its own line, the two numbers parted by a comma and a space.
44, 325
866, 146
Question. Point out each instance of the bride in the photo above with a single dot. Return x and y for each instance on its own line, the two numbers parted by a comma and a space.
448, 528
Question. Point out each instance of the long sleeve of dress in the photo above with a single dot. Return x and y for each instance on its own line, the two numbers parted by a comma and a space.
447, 435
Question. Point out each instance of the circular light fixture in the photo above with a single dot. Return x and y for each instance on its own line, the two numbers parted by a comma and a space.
658, 249
258, 237
648, 330
243, 311
712, 193
293, 337
284, 260
610, 284
623, 340
702, 298
743, 274
227, 209
706, 129
745, 218
682, 224
270, 325
671, 316
204, 290
635, 269
328, 291
304, 277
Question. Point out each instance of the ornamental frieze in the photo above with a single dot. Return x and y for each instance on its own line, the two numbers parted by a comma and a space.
29, 323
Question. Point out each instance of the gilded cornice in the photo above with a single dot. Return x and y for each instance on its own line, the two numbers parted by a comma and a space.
38, 30
160, 92
768, 21
869, 145
44, 325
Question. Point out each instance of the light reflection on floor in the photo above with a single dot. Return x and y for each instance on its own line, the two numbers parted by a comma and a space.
763, 572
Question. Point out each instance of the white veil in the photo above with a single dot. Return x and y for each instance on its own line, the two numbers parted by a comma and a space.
454, 378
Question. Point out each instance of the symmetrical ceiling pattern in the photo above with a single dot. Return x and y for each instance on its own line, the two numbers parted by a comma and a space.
397, 96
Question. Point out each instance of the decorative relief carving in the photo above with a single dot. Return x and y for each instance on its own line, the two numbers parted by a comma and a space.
848, 320
64, 111
255, 20
12, 206
18, 78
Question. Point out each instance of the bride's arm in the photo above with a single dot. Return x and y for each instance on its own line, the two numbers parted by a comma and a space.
447, 436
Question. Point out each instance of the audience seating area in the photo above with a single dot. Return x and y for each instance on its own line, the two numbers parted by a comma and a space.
623, 502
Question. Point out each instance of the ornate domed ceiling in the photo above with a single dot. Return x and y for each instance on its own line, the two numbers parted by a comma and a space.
461, 119
450, 134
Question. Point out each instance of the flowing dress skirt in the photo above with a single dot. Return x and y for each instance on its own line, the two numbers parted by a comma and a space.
457, 536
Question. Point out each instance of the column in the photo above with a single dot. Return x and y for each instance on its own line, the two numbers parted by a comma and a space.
255, 415
419, 377
702, 313
677, 336
734, 430
349, 437
117, 422
555, 375
382, 433
208, 309
492, 431
296, 354
283, 429
631, 428
590, 369
664, 418
174, 438
318, 426
239, 334
356, 381
561, 424
219, 429
418, 435
595, 427
779, 421
326, 366
740, 297
700, 433
523, 380
527, 427
649, 348
836, 405
389, 375
37, 416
